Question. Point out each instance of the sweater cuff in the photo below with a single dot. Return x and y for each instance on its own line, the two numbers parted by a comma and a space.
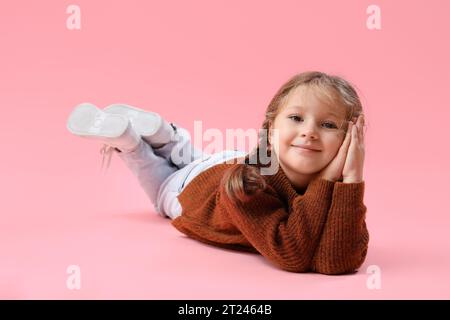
320, 187
318, 196
349, 193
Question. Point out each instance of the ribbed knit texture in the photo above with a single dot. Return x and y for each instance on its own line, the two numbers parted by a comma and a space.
322, 230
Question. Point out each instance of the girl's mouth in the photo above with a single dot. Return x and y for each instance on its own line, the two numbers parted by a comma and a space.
302, 150
304, 147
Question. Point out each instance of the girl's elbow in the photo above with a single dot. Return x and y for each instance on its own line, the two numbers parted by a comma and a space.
333, 271
337, 267
300, 266
296, 269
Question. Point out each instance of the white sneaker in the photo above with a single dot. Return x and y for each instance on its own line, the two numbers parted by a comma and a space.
113, 130
150, 125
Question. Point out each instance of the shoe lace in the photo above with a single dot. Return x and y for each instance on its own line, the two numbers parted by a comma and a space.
106, 151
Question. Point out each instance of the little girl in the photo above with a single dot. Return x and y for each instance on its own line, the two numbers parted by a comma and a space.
305, 214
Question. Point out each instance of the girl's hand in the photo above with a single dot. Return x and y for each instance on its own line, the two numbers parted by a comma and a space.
333, 171
353, 168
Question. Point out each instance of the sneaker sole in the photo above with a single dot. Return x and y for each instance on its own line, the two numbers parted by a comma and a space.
145, 122
89, 121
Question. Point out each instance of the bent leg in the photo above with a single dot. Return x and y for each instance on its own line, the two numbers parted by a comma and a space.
150, 169
180, 150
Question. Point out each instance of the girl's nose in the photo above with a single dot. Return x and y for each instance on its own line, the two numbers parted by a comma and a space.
309, 130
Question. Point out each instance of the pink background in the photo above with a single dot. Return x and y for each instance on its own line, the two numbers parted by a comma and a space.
220, 62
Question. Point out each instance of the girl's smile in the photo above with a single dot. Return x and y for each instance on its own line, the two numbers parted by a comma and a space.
305, 151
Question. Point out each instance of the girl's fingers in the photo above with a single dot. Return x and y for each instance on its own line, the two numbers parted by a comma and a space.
361, 138
355, 140
355, 132
361, 123
360, 127
349, 132
348, 138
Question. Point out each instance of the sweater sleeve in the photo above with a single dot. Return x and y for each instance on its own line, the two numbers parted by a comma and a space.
287, 239
344, 242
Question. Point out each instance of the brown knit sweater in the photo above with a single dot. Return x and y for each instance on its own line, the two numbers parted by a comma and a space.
322, 229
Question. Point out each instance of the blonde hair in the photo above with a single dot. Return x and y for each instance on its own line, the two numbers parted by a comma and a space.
242, 181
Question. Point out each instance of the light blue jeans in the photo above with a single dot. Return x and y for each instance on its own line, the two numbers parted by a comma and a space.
162, 178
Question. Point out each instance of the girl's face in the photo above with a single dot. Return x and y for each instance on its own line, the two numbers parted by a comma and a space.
306, 120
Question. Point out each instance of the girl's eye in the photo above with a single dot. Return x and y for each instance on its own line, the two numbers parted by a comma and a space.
295, 118
330, 125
